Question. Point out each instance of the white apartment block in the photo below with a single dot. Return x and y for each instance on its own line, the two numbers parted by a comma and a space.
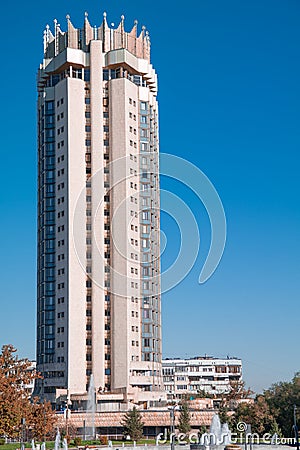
98, 305
200, 375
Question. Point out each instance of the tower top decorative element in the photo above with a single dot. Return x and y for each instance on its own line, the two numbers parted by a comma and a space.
112, 38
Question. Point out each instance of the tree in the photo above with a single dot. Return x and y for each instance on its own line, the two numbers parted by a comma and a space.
42, 419
237, 392
281, 398
223, 414
202, 430
184, 424
133, 425
257, 414
15, 402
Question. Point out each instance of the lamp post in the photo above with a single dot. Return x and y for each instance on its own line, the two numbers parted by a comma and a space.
23, 422
296, 428
172, 425
84, 431
67, 412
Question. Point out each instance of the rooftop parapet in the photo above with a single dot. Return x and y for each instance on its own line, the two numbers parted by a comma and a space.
112, 38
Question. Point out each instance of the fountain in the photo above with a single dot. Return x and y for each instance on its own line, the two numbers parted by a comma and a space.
57, 440
215, 430
225, 434
219, 435
65, 444
91, 409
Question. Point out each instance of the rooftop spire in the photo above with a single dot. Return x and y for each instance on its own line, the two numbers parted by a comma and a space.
88, 30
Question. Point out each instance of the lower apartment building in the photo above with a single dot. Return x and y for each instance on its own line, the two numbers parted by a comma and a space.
200, 375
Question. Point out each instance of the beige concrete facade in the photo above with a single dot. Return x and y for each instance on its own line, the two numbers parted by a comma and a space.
98, 225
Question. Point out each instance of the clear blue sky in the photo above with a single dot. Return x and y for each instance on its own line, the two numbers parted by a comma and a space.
229, 92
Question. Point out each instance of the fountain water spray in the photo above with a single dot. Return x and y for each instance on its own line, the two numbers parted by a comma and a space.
57, 440
219, 434
65, 444
91, 408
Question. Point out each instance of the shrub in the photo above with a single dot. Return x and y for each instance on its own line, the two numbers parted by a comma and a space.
77, 441
2, 441
103, 440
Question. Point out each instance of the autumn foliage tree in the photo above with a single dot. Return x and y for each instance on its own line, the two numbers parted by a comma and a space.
230, 400
257, 414
15, 402
42, 420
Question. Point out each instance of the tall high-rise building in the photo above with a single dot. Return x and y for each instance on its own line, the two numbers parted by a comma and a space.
98, 293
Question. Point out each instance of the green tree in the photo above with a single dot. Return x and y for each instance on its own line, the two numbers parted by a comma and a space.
275, 429
133, 425
223, 414
184, 424
202, 430
281, 398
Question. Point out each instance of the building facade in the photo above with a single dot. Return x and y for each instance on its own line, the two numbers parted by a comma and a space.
200, 375
98, 292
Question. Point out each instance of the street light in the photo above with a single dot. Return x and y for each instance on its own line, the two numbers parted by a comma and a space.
67, 412
23, 422
172, 425
295, 427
